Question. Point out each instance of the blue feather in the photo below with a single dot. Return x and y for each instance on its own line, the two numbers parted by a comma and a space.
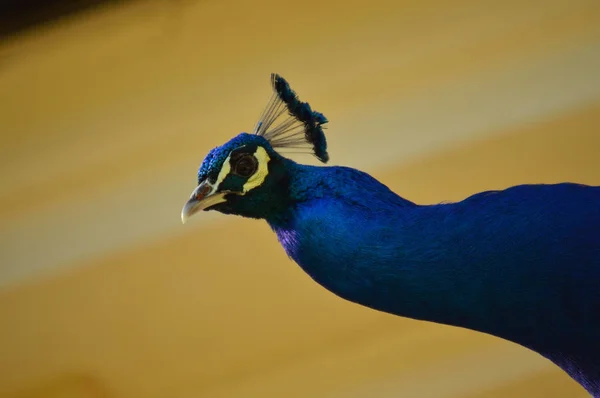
522, 263
302, 126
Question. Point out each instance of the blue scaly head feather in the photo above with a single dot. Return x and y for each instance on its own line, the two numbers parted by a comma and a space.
286, 124
212, 163
303, 127
522, 264
260, 202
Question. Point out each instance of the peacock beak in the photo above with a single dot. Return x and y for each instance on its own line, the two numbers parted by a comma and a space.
201, 198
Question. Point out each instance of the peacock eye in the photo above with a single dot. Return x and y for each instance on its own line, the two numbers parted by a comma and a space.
245, 166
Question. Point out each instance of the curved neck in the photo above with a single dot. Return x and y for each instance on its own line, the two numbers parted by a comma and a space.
450, 264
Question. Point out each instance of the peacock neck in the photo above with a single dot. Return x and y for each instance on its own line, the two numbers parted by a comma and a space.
360, 240
450, 263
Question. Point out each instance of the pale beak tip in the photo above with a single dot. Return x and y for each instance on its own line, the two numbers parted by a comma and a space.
201, 198
186, 212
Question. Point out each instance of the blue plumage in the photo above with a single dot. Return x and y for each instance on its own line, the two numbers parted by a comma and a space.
304, 126
522, 264
301, 111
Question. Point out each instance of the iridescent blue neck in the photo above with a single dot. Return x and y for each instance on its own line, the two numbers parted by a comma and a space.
454, 264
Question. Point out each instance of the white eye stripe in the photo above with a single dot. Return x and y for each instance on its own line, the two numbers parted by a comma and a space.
261, 173
225, 169
256, 179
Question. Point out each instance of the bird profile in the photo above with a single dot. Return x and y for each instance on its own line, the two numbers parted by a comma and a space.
522, 263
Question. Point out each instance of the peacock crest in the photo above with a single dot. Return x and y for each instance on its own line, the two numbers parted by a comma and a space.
288, 123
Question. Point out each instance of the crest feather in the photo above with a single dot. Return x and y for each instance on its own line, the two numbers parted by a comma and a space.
299, 127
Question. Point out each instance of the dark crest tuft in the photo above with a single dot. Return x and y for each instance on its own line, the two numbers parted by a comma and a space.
300, 127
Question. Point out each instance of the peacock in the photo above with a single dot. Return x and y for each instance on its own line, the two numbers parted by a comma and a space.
522, 264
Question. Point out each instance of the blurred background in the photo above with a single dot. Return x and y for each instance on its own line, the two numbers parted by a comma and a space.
107, 109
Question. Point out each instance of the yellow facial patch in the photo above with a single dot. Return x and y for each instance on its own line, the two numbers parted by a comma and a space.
261, 173
225, 169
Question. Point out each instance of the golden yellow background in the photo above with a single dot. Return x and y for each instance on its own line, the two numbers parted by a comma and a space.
105, 117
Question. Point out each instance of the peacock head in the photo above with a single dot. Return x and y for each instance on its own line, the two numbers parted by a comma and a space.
247, 175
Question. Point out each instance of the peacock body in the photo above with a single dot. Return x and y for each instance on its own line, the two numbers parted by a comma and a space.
522, 264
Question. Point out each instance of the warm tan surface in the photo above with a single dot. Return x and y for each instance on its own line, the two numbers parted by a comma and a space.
104, 121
